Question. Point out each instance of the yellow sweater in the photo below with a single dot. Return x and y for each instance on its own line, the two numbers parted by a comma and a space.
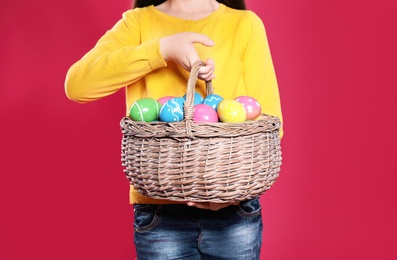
128, 56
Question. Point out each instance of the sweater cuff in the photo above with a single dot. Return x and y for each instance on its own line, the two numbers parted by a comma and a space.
154, 56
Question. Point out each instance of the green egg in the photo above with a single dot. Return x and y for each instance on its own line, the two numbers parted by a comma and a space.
145, 110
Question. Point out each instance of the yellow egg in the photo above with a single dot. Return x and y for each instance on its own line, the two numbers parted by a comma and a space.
231, 111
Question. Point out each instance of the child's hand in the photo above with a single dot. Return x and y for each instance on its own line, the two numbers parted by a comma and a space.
207, 72
179, 48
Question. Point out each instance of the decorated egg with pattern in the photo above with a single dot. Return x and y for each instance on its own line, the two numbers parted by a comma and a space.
145, 110
251, 105
204, 113
213, 100
231, 111
172, 110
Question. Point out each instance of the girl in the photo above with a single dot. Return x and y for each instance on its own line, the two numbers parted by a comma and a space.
149, 52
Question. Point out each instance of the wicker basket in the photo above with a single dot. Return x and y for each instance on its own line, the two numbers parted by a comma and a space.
201, 162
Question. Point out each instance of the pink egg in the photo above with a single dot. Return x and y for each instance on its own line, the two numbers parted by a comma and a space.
204, 113
162, 100
251, 105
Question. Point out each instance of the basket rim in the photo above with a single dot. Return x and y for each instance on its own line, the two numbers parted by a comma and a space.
189, 129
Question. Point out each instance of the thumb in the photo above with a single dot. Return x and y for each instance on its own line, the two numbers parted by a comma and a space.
202, 39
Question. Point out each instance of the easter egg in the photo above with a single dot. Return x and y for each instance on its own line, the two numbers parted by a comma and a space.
231, 111
198, 99
251, 106
172, 110
145, 110
162, 100
204, 113
212, 100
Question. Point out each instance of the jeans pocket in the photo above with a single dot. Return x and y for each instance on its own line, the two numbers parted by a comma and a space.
145, 217
249, 208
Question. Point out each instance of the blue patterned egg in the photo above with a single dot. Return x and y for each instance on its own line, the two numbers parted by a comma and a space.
213, 100
172, 110
198, 99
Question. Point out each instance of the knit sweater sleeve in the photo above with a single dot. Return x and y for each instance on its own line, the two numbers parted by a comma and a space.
118, 59
258, 69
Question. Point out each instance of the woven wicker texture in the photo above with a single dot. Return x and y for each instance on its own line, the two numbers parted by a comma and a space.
201, 162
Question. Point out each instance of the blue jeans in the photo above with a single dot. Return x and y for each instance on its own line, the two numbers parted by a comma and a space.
165, 232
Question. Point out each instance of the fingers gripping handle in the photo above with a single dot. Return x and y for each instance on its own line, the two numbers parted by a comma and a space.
191, 87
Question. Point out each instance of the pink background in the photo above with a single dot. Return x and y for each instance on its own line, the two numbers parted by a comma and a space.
63, 194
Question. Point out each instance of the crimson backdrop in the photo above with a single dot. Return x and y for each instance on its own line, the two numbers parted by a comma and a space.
62, 191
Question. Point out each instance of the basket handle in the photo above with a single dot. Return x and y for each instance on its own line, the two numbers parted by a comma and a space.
191, 87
